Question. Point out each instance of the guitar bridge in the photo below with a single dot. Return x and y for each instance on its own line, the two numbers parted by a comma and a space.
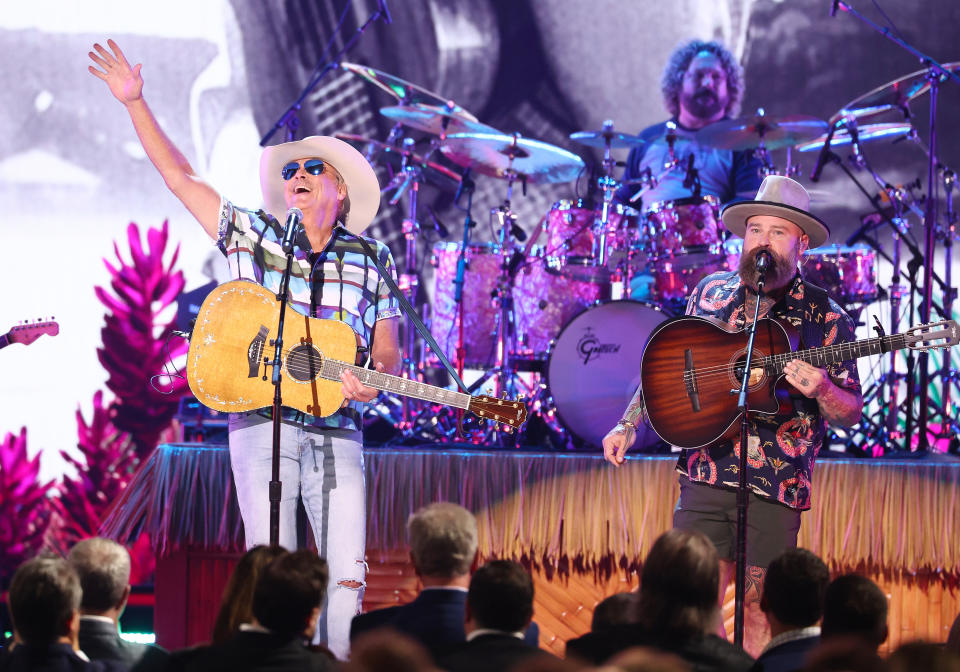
690, 380
255, 352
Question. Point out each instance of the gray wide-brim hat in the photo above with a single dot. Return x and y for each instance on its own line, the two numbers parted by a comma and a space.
781, 197
363, 189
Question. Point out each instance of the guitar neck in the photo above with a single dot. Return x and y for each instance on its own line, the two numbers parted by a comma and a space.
4, 340
331, 370
839, 352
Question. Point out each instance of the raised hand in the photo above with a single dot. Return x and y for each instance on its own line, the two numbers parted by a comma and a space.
125, 82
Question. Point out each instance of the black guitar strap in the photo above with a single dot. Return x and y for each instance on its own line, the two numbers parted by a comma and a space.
409, 310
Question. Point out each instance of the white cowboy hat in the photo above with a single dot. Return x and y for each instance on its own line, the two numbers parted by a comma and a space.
363, 189
781, 197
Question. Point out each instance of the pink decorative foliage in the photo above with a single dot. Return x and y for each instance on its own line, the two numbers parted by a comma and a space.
24, 508
135, 338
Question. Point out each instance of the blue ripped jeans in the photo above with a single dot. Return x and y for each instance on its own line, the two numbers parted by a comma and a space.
325, 467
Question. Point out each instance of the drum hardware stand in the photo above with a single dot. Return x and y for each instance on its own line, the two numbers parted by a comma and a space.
935, 72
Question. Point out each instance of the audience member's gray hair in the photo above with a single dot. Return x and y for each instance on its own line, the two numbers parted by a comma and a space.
103, 566
443, 539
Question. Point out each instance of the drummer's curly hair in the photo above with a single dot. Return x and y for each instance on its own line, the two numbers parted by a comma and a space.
672, 80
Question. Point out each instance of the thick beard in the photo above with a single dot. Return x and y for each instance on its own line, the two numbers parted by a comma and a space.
780, 270
705, 106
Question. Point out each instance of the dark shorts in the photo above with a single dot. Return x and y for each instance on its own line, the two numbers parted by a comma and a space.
771, 528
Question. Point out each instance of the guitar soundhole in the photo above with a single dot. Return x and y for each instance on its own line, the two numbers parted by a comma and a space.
304, 362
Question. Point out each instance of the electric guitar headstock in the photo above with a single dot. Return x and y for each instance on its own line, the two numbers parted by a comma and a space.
513, 413
28, 332
933, 336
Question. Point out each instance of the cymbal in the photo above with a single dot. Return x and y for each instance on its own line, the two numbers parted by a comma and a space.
891, 95
864, 133
750, 132
600, 139
500, 155
435, 119
438, 175
404, 91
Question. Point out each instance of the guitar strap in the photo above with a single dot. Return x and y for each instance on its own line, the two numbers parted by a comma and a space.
408, 310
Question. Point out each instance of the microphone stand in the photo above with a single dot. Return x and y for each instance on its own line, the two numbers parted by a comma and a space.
289, 118
276, 486
742, 493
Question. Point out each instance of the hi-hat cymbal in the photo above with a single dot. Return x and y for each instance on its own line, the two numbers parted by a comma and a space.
750, 132
404, 91
438, 120
438, 175
601, 138
864, 133
892, 95
500, 155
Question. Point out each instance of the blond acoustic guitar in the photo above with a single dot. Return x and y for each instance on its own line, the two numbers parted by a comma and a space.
233, 340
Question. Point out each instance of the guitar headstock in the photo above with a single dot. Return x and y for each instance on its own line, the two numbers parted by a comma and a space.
933, 336
513, 413
31, 331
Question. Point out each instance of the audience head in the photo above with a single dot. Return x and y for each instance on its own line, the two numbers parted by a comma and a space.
679, 585
500, 597
953, 639
643, 659
44, 601
854, 605
103, 566
443, 540
923, 656
289, 593
236, 605
386, 649
617, 609
844, 654
794, 588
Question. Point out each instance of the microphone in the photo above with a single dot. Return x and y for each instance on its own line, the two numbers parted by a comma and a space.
688, 178
384, 11
822, 157
294, 216
441, 230
834, 5
763, 260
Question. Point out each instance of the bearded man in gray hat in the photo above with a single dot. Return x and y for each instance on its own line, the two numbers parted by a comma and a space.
331, 278
781, 448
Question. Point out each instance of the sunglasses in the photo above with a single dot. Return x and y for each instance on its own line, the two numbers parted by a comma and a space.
312, 166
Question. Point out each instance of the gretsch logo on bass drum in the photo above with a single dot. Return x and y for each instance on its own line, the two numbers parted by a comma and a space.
590, 347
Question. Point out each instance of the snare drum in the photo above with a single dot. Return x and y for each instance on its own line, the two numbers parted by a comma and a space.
683, 232
573, 239
479, 310
849, 274
593, 369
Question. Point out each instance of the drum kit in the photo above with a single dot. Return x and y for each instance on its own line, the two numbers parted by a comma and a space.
561, 317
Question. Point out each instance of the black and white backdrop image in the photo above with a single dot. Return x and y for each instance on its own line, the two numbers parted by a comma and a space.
220, 73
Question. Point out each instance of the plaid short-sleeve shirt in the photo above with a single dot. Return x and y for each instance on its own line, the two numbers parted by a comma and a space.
339, 283
783, 447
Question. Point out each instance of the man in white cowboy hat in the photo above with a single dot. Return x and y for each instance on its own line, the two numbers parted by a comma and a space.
321, 458
782, 448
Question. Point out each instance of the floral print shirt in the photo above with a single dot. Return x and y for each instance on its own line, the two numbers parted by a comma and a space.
782, 448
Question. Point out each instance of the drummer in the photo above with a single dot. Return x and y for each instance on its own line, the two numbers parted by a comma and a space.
701, 85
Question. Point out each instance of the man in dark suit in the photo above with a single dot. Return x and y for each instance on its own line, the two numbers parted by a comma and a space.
499, 608
44, 604
443, 548
104, 570
792, 601
286, 608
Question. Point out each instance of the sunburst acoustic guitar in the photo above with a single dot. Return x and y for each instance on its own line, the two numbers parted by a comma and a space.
233, 339
691, 368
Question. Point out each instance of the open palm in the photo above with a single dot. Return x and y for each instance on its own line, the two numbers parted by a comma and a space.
125, 82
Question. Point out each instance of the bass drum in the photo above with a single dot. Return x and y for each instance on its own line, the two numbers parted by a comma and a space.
593, 368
